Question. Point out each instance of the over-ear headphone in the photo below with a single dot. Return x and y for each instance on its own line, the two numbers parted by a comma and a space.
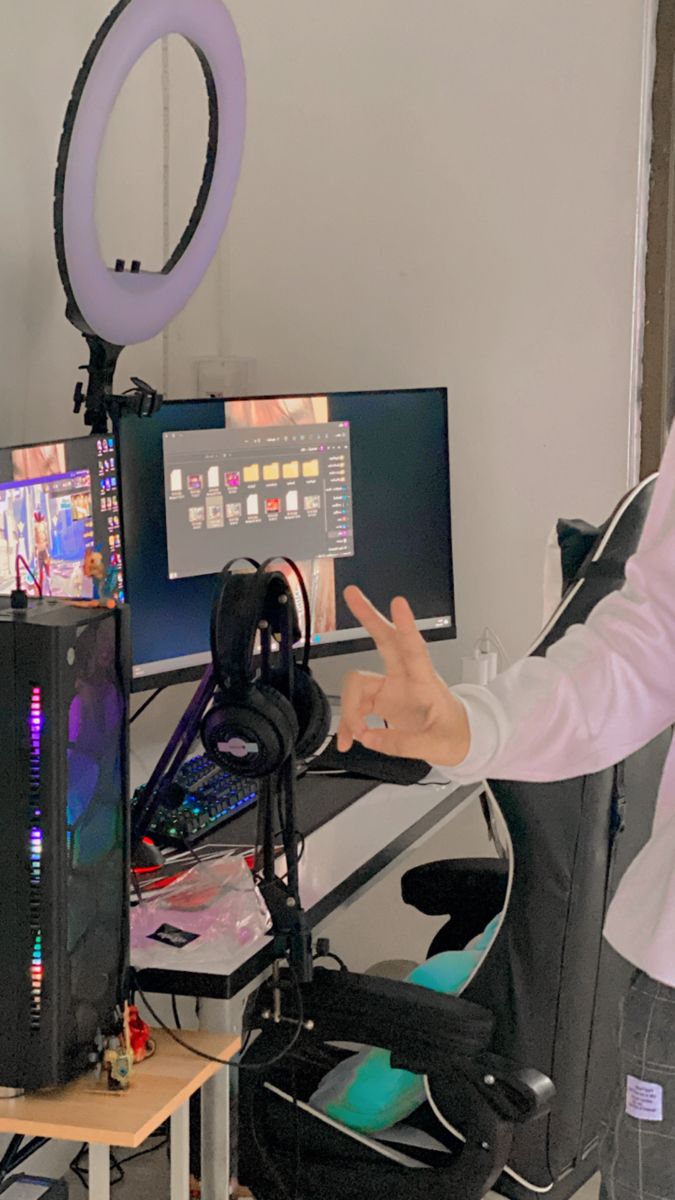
252, 727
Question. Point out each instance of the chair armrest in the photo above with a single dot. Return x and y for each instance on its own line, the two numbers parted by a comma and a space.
425, 1028
427, 1033
517, 1094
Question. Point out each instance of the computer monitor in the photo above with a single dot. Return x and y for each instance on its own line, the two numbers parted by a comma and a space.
58, 500
355, 486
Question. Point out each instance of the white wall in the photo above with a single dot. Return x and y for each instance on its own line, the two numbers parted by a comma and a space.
443, 193
446, 193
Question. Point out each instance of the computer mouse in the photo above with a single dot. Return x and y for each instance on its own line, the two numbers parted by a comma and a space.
146, 856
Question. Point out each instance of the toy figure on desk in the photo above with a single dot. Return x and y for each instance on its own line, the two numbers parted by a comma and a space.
104, 580
117, 1054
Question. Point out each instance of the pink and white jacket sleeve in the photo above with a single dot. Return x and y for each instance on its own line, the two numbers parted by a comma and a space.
604, 690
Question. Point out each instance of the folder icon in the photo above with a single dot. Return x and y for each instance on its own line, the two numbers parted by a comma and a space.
310, 469
291, 470
252, 473
271, 471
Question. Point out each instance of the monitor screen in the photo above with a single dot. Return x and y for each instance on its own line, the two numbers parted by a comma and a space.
58, 501
355, 487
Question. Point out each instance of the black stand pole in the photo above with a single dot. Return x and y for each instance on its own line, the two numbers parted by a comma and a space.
99, 403
172, 758
292, 935
101, 370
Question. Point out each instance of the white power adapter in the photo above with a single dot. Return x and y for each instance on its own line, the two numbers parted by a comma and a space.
480, 667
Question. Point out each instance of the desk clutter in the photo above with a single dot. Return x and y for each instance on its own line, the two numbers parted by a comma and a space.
33, 1187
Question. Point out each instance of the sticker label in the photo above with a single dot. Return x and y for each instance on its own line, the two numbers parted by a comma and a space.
170, 936
644, 1101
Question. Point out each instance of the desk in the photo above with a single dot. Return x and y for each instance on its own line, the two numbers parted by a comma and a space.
343, 859
86, 1112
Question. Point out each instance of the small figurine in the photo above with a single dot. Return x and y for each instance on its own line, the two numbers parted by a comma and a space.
116, 1054
142, 1046
117, 1065
104, 580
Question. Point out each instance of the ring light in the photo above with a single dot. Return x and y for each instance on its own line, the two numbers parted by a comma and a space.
125, 307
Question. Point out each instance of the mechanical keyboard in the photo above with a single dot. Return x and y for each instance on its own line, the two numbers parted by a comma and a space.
201, 798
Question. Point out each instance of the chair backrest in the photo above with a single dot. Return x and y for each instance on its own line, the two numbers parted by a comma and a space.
552, 981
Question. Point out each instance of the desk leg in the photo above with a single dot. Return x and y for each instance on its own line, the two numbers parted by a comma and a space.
218, 1165
219, 1098
99, 1172
180, 1153
216, 1149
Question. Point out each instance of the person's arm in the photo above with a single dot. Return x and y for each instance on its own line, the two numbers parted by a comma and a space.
605, 689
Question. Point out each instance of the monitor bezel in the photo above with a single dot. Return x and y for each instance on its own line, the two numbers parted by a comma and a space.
155, 680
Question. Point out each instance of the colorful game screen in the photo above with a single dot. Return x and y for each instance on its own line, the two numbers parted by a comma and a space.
59, 506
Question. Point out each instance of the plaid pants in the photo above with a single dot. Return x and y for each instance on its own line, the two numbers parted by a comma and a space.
637, 1157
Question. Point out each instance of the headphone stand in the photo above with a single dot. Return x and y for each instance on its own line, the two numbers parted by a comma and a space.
292, 936
291, 932
172, 757
276, 779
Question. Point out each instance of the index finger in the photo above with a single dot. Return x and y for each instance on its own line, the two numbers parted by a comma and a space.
380, 629
412, 647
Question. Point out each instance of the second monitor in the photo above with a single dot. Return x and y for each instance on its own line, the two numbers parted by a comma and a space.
355, 486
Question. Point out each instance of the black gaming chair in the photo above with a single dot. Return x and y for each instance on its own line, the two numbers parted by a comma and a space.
541, 1006
551, 980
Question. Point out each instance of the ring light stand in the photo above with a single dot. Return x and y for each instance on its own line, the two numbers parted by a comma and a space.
115, 307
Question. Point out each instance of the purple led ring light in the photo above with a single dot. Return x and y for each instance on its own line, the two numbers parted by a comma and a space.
124, 308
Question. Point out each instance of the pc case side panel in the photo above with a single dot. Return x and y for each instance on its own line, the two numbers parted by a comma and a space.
15, 948
96, 945
123, 670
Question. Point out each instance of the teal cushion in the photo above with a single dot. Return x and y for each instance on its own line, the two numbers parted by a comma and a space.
365, 1092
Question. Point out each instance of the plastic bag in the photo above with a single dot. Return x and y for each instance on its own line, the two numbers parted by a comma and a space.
212, 911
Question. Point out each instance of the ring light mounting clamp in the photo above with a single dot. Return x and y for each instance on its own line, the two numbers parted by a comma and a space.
114, 307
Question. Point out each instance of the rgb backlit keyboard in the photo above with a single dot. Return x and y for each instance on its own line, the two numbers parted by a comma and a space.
201, 798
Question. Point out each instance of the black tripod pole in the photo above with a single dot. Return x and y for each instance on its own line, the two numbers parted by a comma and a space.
173, 756
282, 896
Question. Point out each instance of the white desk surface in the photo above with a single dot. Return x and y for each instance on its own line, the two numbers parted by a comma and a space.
343, 855
340, 858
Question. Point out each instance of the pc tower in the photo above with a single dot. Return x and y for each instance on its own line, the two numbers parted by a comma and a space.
64, 837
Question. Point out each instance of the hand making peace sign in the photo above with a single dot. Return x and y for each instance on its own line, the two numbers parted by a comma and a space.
425, 720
